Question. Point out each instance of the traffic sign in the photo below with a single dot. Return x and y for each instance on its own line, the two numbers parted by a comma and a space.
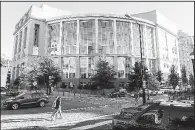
35, 83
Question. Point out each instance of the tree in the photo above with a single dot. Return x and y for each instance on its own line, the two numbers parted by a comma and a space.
16, 81
153, 83
135, 77
184, 75
173, 77
191, 80
104, 76
40, 70
159, 75
48, 68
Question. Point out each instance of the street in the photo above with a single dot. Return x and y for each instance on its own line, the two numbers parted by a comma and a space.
66, 105
78, 112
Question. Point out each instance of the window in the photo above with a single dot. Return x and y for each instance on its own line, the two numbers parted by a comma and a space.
123, 36
72, 49
53, 39
83, 66
87, 36
20, 41
71, 75
105, 36
24, 40
83, 84
16, 43
72, 65
83, 49
64, 85
91, 66
120, 73
150, 41
90, 49
121, 84
136, 38
36, 35
83, 72
166, 45
121, 67
22, 66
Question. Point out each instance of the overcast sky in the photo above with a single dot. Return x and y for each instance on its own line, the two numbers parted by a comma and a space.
181, 13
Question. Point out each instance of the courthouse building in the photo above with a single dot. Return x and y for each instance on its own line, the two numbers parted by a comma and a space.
76, 41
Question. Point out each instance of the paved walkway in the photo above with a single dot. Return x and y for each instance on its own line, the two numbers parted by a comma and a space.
43, 119
93, 125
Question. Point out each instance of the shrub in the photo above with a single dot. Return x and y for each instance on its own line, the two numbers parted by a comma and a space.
145, 127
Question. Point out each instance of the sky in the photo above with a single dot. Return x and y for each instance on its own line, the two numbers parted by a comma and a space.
181, 13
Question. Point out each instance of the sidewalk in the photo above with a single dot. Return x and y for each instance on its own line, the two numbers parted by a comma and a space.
109, 106
70, 117
71, 95
43, 119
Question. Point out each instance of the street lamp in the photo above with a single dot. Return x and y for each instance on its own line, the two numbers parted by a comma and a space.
143, 87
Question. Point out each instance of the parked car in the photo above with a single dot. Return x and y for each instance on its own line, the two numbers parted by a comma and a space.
155, 116
3, 91
160, 92
117, 94
12, 93
122, 121
26, 100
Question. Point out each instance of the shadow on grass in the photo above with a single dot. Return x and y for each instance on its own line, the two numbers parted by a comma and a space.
32, 128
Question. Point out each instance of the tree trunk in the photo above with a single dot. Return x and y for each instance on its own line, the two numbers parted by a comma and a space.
47, 85
49, 89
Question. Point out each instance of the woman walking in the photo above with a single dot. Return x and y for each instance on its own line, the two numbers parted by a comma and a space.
57, 108
136, 97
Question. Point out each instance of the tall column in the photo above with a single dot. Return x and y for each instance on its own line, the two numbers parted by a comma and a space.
77, 45
46, 39
115, 39
15, 47
60, 39
115, 64
132, 45
22, 43
96, 35
77, 75
145, 45
18, 40
60, 48
157, 49
154, 40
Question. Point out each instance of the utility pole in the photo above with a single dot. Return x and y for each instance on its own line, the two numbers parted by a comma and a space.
142, 67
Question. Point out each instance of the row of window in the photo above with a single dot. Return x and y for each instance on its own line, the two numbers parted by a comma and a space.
83, 84
87, 37
88, 66
21, 40
17, 70
166, 65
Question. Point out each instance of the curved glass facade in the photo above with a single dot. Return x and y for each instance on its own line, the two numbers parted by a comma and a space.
79, 43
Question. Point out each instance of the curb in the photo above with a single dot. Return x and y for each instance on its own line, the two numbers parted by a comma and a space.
75, 122
86, 127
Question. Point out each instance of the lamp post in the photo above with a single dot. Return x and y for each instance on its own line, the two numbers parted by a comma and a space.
143, 87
